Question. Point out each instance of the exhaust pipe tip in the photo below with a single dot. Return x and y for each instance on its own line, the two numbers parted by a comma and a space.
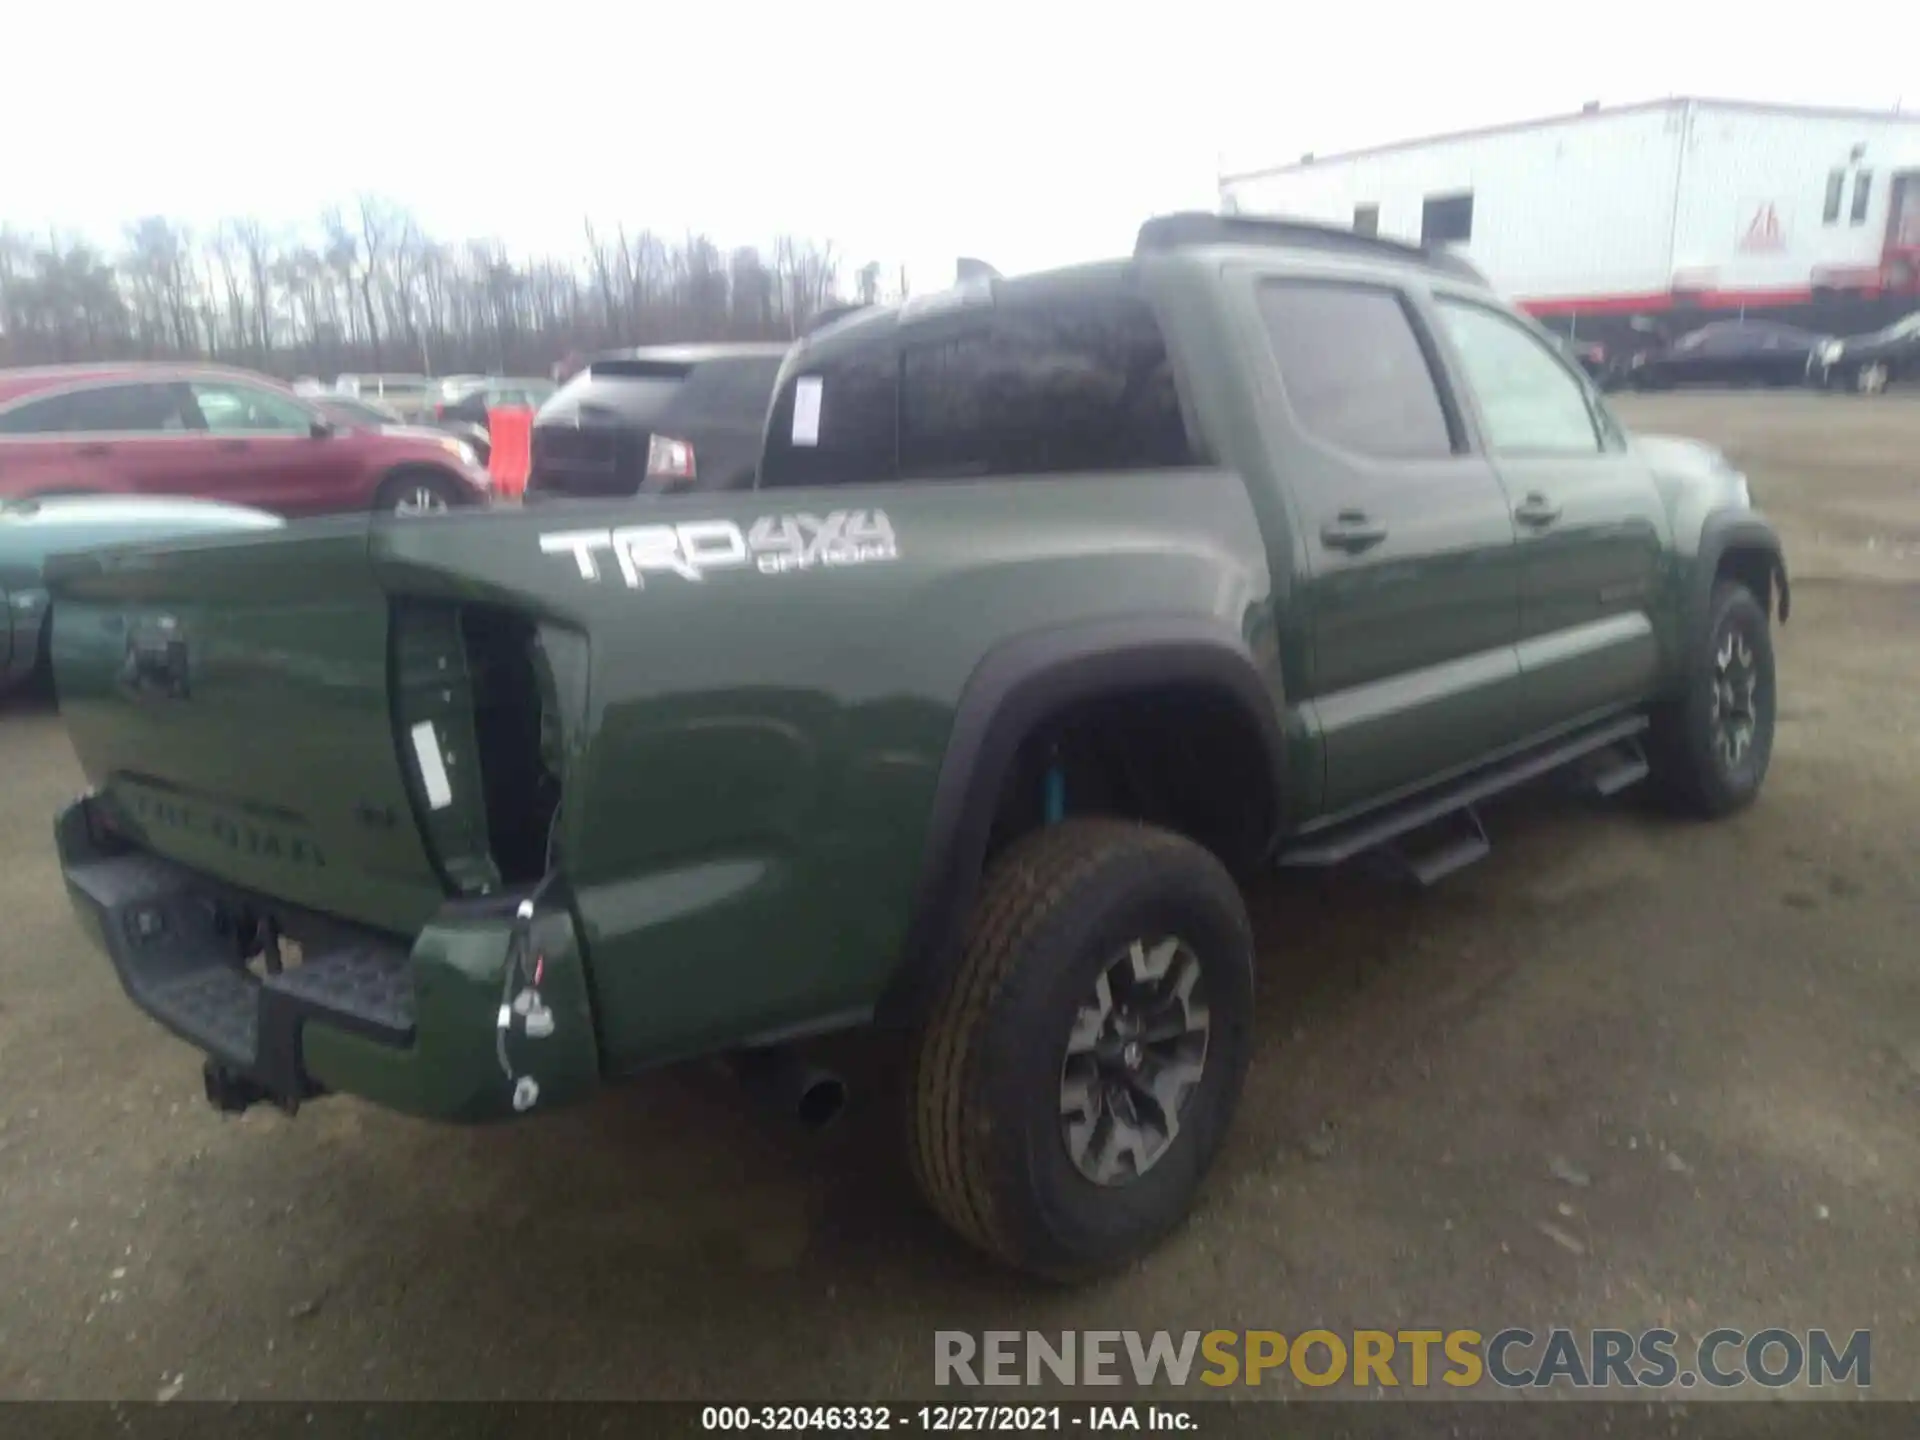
821, 1101
785, 1084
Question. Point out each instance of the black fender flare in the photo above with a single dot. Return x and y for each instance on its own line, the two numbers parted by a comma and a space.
1727, 530
1014, 690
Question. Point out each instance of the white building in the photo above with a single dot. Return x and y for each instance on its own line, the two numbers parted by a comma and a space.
1675, 205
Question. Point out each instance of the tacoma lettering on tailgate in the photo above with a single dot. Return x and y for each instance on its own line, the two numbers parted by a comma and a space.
237, 835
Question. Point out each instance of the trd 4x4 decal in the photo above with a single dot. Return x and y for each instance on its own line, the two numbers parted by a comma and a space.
772, 544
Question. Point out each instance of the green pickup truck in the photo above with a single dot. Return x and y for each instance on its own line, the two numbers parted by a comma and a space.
1060, 603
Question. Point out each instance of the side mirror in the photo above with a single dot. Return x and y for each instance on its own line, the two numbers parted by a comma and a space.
321, 428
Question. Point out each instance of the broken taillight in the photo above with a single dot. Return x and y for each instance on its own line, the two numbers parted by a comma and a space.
669, 459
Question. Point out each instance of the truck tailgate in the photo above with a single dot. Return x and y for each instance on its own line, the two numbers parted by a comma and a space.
231, 700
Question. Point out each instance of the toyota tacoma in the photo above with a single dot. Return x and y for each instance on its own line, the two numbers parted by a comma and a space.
1058, 604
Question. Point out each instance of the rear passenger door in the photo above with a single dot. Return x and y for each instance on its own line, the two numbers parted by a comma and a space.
1593, 533
1410, 593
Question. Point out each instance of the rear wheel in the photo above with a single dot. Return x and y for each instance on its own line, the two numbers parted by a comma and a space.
417, 492
1079, 1072
1711, 748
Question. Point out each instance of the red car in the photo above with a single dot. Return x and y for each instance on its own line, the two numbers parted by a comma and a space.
217, 434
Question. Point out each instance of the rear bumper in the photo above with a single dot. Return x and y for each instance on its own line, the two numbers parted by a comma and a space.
438, 1028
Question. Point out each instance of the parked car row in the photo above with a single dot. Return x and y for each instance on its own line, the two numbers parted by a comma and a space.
629, 422
221, 434
1760, 352
405, 395
1726, 352
1869, 363
463, 405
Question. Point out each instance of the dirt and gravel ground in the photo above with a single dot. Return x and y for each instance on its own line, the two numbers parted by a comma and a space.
1626, 1073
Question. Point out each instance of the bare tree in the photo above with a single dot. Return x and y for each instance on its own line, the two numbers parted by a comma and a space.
373, 236
225, 248
252, 240
342, 261
369, 288
808, 273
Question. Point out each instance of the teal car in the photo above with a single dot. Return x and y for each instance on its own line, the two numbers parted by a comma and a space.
32, 530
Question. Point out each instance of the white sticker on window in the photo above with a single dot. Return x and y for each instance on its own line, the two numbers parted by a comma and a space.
806, 410
433, 769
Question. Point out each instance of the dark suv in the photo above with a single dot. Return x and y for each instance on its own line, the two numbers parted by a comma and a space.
656, 420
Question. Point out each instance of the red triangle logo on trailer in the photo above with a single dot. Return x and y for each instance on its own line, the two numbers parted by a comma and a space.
1764, 232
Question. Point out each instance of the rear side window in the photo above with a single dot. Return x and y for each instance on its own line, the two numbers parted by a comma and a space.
1052, 388
833, 423
38, 417
108, 409
1056, 385
1354, 370
634, 397
733, 393
627, 392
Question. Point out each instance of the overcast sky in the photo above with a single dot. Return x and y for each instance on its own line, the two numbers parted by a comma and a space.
1027, 134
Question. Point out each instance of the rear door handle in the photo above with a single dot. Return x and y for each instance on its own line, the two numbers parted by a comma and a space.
1352, 530
1536, 510
92, 452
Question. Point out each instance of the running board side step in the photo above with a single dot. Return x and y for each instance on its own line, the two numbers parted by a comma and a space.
1614, 761
1612, 770
1432, 865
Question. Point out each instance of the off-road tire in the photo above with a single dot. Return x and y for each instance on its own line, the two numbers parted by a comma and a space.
985, 1140
1690, 774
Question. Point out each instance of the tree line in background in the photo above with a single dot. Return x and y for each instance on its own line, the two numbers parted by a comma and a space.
370, 291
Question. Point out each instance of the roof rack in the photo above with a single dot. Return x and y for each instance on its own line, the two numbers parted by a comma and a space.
1200, 227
